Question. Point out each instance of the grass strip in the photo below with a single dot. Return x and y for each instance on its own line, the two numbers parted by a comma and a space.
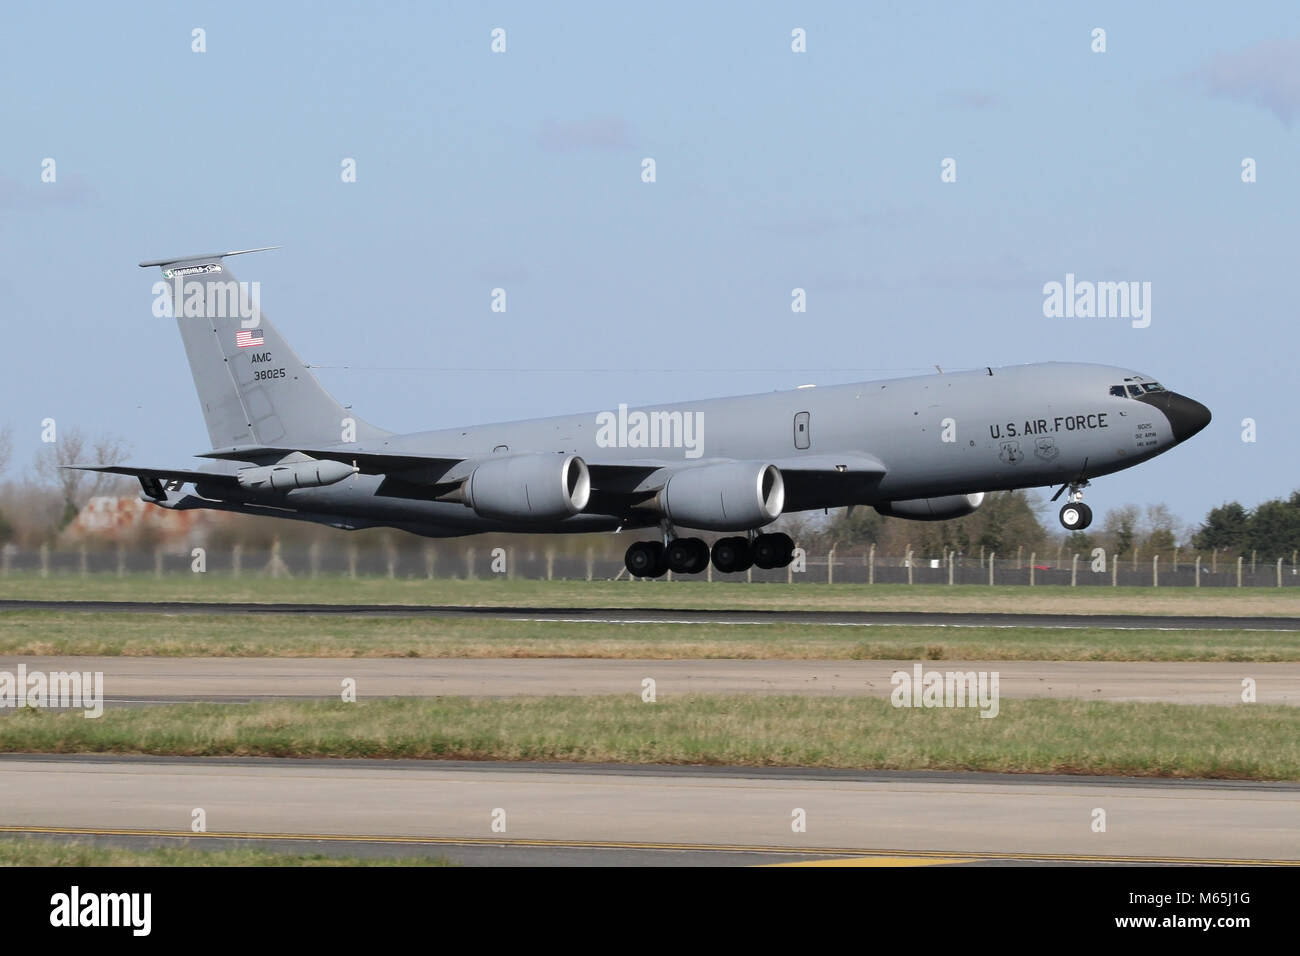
54, 633
1028, 736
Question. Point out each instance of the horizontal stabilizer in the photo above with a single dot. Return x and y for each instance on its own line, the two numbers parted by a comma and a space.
211, 255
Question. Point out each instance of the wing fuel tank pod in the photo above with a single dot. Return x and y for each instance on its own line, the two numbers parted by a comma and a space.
730, 496
286, 476
932, 509
527, 488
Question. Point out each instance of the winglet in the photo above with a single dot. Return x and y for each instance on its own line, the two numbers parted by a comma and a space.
214, 255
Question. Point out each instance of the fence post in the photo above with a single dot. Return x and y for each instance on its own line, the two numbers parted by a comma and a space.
1074, 569
1155, 571
981, 557
121, 560
1135, 559
469, 564
1252, 560
1279, 572
871, 565
1114, 572
275, 565
1175, 560
45, 560
430, 561
951, 562
236, 560
1033, 559
909, 565
992, 556
352, 559
830, 565
1240, 559
1198, 571
1019, 564
1214, 561
550, 562
591, 558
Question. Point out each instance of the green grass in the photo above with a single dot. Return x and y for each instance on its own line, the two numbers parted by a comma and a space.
1043, 736
246, 635
805, 594
31, 851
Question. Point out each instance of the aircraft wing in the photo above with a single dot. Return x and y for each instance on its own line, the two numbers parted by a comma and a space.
154, 481
830, 481
811, 481
416, 469
161, 474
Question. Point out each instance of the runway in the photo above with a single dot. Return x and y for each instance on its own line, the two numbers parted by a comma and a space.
659, 616
138, 680
630, 815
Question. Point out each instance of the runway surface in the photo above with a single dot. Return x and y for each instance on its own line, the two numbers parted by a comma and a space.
134, 680
659, 616
631, 815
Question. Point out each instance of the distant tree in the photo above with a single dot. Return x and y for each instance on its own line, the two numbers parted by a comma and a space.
1160, 529
852, 527
1273, 530
78, 487
1225, 527
1007, 520
1079, 541
1121, 528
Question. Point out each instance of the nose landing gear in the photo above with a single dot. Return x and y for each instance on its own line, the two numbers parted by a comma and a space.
1075, 515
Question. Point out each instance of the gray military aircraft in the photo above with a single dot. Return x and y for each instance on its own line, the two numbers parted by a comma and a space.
927, 448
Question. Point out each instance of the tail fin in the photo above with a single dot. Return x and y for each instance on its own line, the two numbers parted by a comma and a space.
253, 388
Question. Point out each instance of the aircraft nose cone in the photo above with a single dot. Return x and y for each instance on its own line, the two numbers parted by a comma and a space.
1186, 416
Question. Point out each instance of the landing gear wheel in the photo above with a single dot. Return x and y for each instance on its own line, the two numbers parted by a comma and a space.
646, 559
772, 550
701, 561
687, 556
1075, 516
731, 555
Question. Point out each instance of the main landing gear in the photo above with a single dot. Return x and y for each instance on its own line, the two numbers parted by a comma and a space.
1075, 515
650, 559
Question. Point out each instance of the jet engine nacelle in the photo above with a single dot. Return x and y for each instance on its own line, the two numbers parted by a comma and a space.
729, 496
538, 487
932, 509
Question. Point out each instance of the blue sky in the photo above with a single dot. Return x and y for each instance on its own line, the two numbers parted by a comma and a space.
521, 170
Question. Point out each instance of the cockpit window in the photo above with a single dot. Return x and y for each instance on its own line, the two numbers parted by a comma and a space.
1137, 391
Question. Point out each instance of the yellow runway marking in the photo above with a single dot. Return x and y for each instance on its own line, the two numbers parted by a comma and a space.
918, 857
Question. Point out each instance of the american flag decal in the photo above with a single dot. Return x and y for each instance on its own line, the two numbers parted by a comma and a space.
246, 338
